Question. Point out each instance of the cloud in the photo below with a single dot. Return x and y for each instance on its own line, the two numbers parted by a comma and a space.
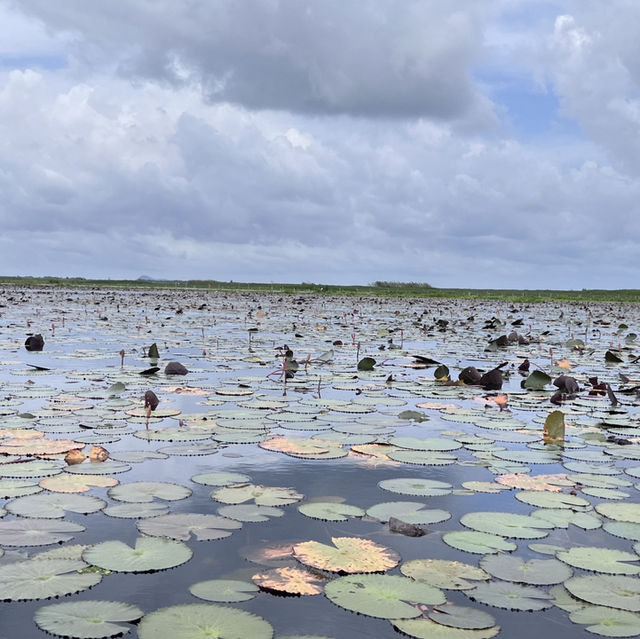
126, 161
368, 58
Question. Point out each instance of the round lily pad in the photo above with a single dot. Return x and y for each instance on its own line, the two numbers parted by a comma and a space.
44, 578
608, 622
329, 511
224, 590
87, 619
615, 591
136, 510
425, 628
348, 554
36, 532
204, 527
261, 495
203, 621
537, 572
478, 542
10, 488
607, 560
442, 573
250, 512
462, 617
410, 512
289, 581
629, 512
75, 483
507, 524
149, 554
511, 596
385, 596
146, 491
220, 479
416, 486
54, 505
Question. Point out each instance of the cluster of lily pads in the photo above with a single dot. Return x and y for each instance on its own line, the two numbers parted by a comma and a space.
325, 383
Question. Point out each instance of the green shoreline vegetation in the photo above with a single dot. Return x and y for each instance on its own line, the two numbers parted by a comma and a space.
378, 289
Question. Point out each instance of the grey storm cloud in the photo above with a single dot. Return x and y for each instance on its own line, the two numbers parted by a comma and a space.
372, 58
336, 142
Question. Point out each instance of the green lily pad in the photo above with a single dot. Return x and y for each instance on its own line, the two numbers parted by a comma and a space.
511, 596
87, 619
598, 559
624, 529
135, 456
31, 469
441, 573
10, 488
149, 554
478, 542
146, 491
250, 512
261, 495
507, 524
537, 572
608, 622
410, 512
224, 590
203, 621
546, 499
628, 512
430, 444
422, 457
54, 505
416, 486
44, 578
425, 628
348, 554
462, 617
99, 468
204, 527
329, 511
136, 510
384, 596
36, 532
615, 591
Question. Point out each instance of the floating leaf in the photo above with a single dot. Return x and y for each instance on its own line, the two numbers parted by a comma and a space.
203, 621
551, 483
462, 617
54, 505
224, 590
149, 554
598, 559
608, 622
87, 619
203, 527
250, 512
261, 495
36, 532
416, 486
537, 572
620, 512
424, 628
478, 542
329, 511
510, 596
615, 591
349, 554
507, 524
145, 491
44, 578
289, 581
451, 575
385, 596
66, 483
410, 512
366, 364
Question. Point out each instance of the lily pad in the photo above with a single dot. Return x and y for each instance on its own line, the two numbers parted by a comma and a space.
149, 554
44, 578
384, 596
36, 532
224, 590
87, 619
607, 560
425, 628
537, 572
146, 491
478, 542
329, 511
507, 524
54, 505
615, 591
416, 486
510, 596
289, 581
204, 527
261, 495
442, 573
410, 512
348, 554
203, 621
608, 622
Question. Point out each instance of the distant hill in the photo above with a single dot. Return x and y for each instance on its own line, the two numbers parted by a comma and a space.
145, 278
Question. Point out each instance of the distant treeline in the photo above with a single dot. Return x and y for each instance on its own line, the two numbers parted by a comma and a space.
402, 285
377, 289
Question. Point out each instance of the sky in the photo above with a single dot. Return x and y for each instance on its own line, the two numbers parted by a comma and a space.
462, 143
